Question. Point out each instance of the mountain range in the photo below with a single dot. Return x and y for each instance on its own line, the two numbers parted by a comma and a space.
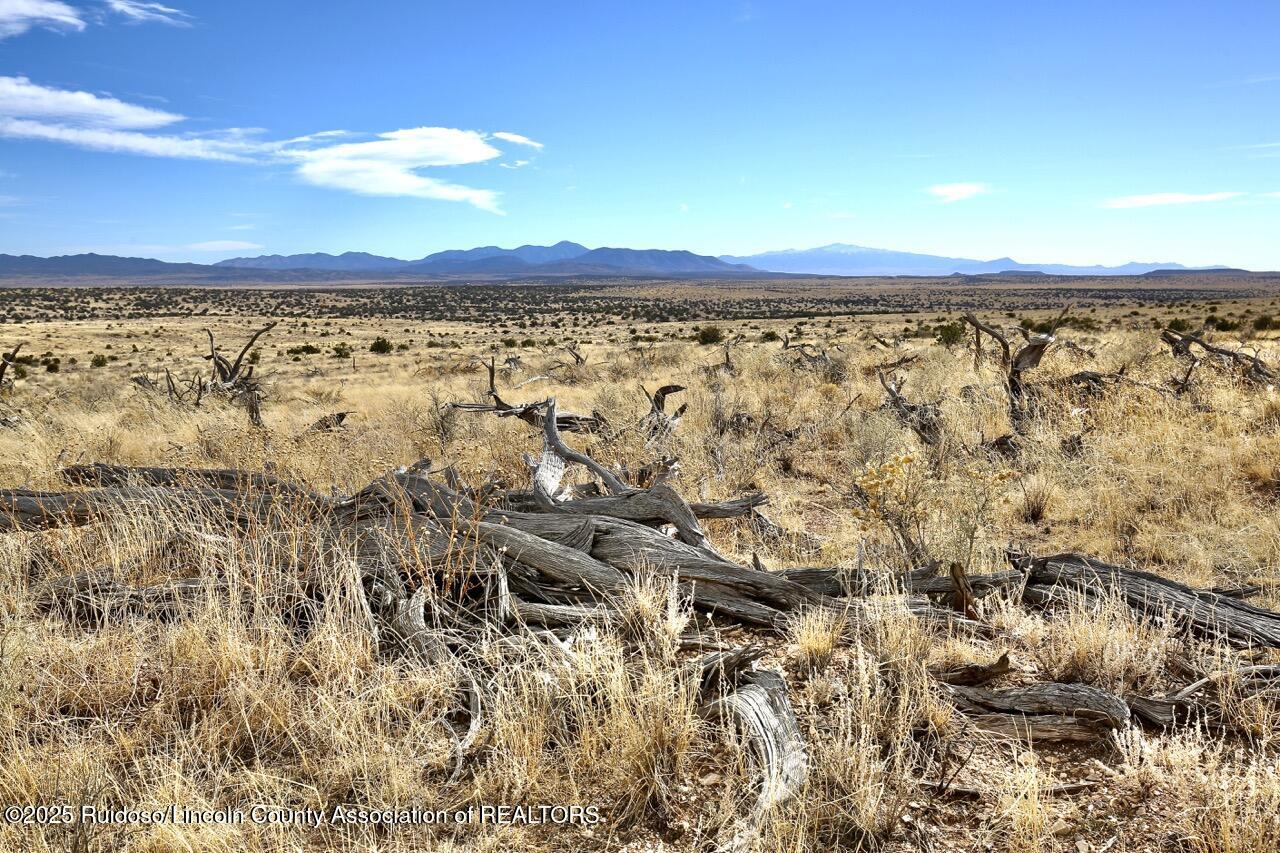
846, 259
563, 259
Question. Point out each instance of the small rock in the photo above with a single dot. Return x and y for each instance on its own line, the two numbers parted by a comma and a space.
1082, 846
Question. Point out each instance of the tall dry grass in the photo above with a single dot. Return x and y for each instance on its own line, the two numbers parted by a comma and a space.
234, 704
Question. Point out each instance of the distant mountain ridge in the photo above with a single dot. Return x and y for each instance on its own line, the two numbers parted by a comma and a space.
563, 259
347, 261
848, 259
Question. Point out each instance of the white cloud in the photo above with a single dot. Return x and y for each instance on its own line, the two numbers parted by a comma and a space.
506, 136
125, 141
786, 205
18, 16
146, 12
20, 98
1157, 199
389, 165
223, 246
957, 192
519, 164
248, 226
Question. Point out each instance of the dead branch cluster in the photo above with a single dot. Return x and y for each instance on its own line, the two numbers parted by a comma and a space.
556, 556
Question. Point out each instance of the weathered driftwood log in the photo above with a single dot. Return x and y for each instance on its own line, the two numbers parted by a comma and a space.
591, 551
975, 674
1016, 364
924, 419
1200, 612
658, 423
105, 476
1209, 699
7, 359
234, 379
192, 390
756, 703
530, 413
1251, 367
228, 374
27, 510
835, 582
1042, 711
95, 598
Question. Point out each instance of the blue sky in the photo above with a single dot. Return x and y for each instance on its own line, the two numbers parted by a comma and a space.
1076, 133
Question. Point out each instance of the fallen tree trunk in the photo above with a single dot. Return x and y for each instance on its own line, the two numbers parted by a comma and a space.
95, 598
103, 475
1205, 614
1074, 712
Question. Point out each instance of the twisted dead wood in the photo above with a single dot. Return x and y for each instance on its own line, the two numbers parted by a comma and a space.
1073, 712
7, 359
1155, 598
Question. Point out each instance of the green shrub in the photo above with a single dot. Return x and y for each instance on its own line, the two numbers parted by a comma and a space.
708, 335
98, 360
950, 334
380, 346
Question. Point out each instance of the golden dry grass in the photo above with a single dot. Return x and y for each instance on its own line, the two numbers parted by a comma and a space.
232, 707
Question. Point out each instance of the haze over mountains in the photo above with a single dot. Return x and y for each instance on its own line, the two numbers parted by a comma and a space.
564, 259
836, 259
846, 259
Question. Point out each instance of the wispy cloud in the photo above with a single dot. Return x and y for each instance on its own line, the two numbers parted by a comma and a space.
950, 193
18, 16
223, 246
140, 12
22, 99
389, 164
1256, 80
126, 141
507, 136
1161, 199
1260, 149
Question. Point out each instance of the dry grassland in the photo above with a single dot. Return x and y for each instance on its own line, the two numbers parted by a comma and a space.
230, 704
